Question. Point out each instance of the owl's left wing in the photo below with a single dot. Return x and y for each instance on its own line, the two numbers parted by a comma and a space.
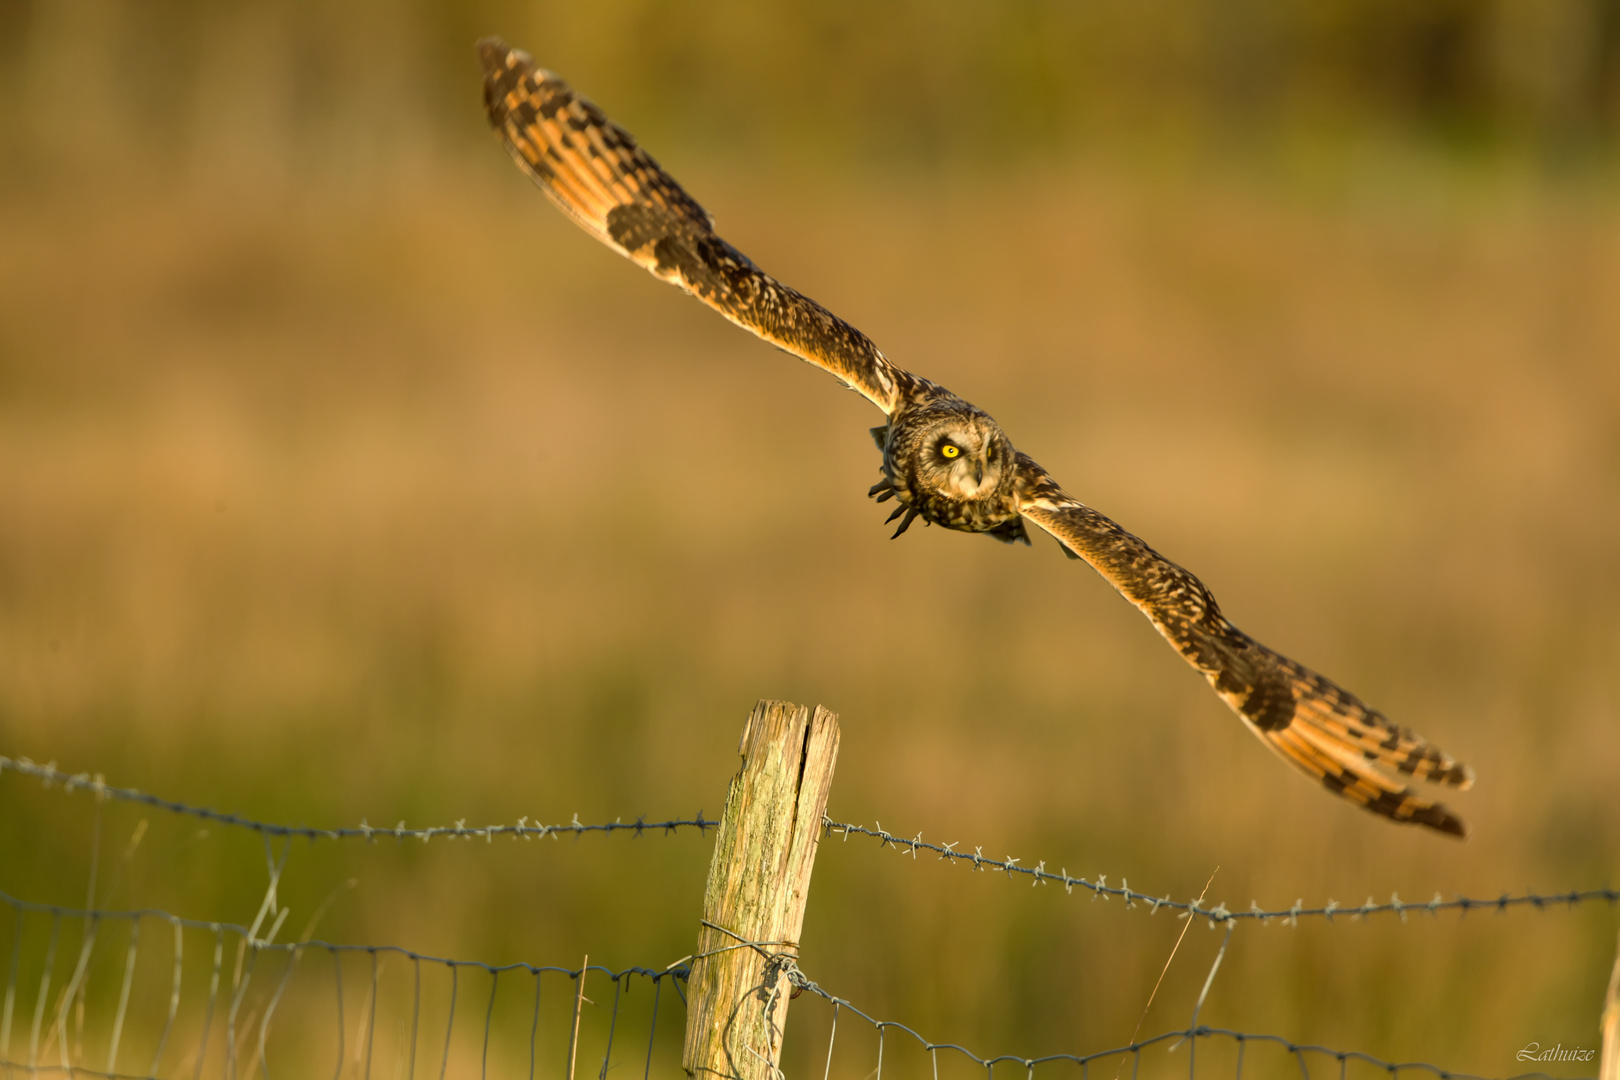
597, 175
1318, 727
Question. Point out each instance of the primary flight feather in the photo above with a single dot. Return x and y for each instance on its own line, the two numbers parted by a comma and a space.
945, 460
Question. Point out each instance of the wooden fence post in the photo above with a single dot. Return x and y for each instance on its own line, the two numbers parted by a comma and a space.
737, 996
1609, 1065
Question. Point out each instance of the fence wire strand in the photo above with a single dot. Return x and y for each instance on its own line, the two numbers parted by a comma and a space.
802, 984
523, 828
1038, 874
782, 964
50, 1036
1219, 913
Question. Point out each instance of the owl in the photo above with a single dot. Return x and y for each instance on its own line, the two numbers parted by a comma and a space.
945, 460
950, 464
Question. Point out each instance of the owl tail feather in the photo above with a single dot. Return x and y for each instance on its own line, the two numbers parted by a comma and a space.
1342, 768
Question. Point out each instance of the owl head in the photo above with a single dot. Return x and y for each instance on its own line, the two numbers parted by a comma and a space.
959, 453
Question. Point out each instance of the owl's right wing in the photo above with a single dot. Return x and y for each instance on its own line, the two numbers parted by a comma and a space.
597, 175
1318, 727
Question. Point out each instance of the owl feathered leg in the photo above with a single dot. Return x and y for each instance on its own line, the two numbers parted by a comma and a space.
911, 515
883, 491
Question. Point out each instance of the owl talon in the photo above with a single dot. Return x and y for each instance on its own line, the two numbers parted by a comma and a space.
883, 486
911, 515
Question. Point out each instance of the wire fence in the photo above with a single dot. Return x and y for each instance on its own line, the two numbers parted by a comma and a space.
1247, 1050
221, 1014
1037, 874
147, 993
218, 1021
1219, 913
523, 828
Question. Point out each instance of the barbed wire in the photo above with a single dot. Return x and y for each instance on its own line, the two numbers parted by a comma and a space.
1038, 874
1219, 913
50, 775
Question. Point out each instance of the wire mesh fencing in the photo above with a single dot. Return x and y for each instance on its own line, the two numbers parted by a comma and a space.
855, 1039
150, 994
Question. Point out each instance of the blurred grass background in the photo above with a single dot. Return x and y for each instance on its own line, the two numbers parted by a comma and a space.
341, 477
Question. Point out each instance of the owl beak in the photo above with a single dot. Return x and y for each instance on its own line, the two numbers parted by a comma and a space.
978, 472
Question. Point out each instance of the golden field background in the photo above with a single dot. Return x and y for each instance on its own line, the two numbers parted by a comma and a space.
342, 478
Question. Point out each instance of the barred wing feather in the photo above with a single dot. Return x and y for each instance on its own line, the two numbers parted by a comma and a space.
594, 171
1320, 728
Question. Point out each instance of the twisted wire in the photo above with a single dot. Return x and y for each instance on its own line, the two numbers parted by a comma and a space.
1219, 913
51, 776
1038, 874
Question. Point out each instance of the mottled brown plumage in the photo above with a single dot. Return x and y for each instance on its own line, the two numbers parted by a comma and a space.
950, 464
945, 460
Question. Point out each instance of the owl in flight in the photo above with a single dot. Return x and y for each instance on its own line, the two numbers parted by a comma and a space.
945, 460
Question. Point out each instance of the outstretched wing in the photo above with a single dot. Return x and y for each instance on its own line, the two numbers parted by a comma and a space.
594, 171
1320, 728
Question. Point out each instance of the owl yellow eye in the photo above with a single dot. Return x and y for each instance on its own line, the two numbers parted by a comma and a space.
949, 451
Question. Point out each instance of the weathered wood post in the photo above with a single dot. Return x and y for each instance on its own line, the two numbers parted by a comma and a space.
737, 997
